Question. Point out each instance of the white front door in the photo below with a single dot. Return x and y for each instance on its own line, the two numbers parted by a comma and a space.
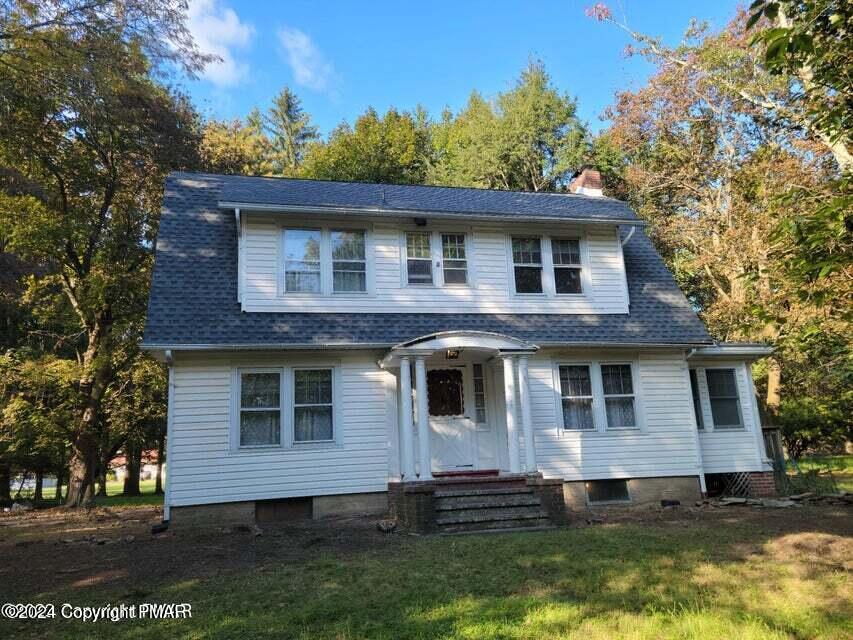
452, 429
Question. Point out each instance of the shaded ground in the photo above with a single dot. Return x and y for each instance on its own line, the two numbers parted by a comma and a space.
685, 572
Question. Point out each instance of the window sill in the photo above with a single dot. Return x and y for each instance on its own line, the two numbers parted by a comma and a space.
281, 449
607, 433
723, 430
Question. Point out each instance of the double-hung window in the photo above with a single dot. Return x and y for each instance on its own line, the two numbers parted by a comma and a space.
724, 399
527, 264
418, 258
260, 408
313, 414
302, 261
576, 394
566, 255
349, 262
618, 386
454, 258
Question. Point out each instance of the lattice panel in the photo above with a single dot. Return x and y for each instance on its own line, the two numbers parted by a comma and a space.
736, 484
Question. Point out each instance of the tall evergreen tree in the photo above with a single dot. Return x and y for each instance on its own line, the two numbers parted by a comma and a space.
290, 132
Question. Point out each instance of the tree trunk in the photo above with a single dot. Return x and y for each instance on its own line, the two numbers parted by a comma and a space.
38, 494
5, 481
774, 384
60, 479
161, 452
93, 383
133, 455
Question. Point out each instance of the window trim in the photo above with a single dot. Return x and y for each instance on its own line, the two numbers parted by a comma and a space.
737, 396
599, 412
332, 260
467, 260
326, 261
605, 396
544, 249
405, 259
302, 443
286, 407
283, 260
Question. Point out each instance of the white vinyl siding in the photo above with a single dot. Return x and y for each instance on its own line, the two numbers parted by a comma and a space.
204, 468
489, 287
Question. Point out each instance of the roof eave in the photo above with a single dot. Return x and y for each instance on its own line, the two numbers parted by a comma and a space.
417, 213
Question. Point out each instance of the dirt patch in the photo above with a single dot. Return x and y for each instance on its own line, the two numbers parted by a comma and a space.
47, 551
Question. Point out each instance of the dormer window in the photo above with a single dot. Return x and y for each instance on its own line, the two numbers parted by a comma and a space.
418, 258
566, 254
302, 261
324, 261
527, 264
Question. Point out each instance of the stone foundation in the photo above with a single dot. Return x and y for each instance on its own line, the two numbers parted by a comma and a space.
685, 489
762, 484
229, 514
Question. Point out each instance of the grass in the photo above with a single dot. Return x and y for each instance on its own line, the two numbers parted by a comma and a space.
841, 468
114, 497
618, 581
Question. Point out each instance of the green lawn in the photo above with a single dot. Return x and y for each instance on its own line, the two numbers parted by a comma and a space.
745, 580
114, 497
841, 468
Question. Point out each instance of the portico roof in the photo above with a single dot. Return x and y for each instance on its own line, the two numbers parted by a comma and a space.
496, 343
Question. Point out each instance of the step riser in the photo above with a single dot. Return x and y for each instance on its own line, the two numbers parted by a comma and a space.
482, 486
489, 515
486, 502
443, 494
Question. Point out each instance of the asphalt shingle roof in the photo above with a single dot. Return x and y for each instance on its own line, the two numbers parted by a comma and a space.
194, 292
447, 201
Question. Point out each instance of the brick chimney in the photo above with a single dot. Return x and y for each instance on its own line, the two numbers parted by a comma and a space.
588, 183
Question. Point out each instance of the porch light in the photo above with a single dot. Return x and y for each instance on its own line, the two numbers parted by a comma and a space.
452, 354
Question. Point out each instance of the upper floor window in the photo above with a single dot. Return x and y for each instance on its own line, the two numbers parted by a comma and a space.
566, 255
302, 260
618, 386
527, 264
349, 261
418, 258
323, 261
724, 399
454, 258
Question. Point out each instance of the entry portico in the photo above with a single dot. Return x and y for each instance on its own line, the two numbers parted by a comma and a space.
452, 410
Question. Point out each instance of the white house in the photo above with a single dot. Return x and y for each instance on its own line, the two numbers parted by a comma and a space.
330, 341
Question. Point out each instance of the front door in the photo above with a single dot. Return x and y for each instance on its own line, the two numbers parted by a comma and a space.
452, 433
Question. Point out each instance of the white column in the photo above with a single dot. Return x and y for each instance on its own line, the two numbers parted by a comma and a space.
423, 419
407, 440
511, 428
526, 416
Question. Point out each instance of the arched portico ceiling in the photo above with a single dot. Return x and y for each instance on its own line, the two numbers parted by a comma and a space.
481, 340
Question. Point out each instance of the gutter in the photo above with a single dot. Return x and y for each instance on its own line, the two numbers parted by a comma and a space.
397, 213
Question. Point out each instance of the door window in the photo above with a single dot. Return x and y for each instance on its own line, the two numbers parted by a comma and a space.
444, 390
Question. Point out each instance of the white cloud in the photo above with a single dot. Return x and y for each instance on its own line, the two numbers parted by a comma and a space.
218, 30
310, 67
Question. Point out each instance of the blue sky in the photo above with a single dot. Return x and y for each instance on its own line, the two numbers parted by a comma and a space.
341, 57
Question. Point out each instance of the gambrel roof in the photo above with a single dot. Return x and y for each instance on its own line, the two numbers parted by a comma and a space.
193, 301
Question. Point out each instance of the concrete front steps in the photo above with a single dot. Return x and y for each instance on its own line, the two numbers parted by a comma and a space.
488, 506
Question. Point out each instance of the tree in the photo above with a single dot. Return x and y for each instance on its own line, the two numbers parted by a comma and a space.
290, 131
234, 148
393, 148
706, 165
93, 135
528, 138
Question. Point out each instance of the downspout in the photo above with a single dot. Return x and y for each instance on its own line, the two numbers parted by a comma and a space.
170, 428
